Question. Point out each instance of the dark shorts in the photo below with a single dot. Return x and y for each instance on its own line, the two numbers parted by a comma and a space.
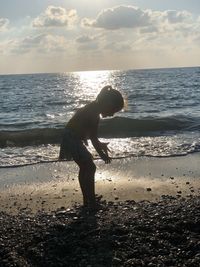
73, 148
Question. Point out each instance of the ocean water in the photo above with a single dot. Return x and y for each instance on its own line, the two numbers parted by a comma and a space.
162, 117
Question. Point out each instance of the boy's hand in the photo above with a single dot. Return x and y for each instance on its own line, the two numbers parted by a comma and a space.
104, 148
106, 158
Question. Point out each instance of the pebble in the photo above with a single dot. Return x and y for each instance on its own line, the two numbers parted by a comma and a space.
164, 233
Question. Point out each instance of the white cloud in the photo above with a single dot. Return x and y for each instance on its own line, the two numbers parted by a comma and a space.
131, 28
150, 29
2, 47
174, 16
84, 39
55, 17
147, 21
119, 17
42, 43
196, 39
3, 24
118, 47
121, 36
170, 16
170, 22
86, 42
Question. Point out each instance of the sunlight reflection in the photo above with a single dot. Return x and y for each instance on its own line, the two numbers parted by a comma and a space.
83, 87
91, 82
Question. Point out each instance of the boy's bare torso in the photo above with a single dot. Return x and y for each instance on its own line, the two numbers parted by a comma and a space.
84, 123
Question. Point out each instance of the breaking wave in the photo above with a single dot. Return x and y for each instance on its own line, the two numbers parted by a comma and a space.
117, 127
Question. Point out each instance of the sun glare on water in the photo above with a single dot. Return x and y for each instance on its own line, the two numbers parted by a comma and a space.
93, 81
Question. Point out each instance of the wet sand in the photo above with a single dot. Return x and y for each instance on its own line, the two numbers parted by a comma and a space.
148, 216
50, 186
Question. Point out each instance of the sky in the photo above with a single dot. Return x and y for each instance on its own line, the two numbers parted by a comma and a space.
79, 35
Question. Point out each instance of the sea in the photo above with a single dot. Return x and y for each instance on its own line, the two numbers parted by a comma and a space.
161, 117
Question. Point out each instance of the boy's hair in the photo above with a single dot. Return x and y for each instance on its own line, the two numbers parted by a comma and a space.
110, 96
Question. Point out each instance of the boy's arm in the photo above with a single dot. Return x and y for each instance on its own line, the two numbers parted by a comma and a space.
101, 148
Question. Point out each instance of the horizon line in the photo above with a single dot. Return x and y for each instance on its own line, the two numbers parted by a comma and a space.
100, 70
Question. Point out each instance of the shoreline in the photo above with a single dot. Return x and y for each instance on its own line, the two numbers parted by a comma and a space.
47, 187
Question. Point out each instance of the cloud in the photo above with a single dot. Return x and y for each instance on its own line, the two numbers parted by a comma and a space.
42, 43
3, 24
145, 20
118, 47
84, 39
170, 21
197, 39
119, 17
174, 16
116, 37
86, 42
55, 17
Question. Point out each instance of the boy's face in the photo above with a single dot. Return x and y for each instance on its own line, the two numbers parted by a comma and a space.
108, 112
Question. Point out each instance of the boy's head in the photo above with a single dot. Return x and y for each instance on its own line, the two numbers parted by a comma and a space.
110, 101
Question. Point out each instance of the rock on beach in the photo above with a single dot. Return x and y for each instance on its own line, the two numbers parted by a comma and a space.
129, 233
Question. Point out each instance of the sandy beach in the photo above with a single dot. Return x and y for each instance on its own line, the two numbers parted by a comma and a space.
50, 186
148, 215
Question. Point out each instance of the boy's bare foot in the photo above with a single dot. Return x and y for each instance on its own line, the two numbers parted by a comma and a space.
98, 197
94, 205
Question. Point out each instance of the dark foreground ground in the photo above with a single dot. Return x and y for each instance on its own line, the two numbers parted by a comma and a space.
166, 233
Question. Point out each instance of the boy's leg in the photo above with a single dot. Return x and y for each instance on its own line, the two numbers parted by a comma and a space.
87, 183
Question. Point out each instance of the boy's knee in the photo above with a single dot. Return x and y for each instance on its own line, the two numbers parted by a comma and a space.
93, 167
89, 165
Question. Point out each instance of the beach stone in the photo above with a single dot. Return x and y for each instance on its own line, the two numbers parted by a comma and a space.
116, 261
163, 233
151, 264
134, 262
